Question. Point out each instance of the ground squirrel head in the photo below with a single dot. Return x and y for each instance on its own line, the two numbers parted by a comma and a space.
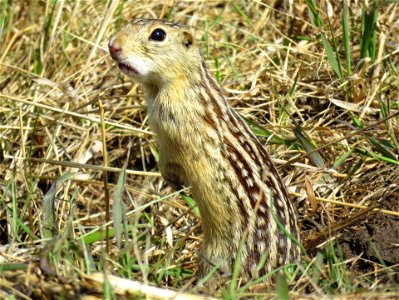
155, 52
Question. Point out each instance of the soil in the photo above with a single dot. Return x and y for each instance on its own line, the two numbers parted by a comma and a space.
376, 239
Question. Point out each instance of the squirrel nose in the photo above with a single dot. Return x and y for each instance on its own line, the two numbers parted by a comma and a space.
114, 49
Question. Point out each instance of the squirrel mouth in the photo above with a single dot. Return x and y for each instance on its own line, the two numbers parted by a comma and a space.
127, 69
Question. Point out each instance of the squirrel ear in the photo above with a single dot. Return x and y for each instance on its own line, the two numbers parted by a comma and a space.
188, 39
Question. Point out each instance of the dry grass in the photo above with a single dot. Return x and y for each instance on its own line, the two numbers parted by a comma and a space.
328, 110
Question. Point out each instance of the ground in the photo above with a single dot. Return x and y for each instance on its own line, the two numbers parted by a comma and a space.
316, 81
375, 238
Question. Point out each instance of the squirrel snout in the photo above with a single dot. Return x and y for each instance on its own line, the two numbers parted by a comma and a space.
114, 49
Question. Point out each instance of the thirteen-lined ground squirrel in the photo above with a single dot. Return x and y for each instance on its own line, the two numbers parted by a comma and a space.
203, 143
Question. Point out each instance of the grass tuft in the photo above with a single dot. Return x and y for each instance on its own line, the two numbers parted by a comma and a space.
317, 82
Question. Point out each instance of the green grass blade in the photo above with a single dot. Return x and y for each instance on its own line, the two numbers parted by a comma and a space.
217, 67
5, 17
368, 42
383, 158
330, 56
381, 149
282, 287
356, 120
340, 160
314, 17
97, 236
117, 209
241, 11
306, 144
263, 132
346, 36
191, 203
12, 267
48, 217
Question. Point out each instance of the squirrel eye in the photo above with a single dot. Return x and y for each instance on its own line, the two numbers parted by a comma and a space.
158, 35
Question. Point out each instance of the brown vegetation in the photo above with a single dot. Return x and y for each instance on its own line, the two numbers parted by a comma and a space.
327, 110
